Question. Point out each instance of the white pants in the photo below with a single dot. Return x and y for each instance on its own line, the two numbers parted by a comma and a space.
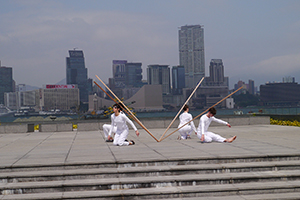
185, 131
106, 128
120, 137
211, 137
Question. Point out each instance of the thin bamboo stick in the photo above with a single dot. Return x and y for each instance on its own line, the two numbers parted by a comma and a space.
182, 108
131, 114
201, 113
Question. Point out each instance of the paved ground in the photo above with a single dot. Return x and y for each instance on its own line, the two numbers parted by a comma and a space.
42, 148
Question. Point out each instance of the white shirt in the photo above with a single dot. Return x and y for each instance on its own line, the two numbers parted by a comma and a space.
120, 122
185, 118
205, 122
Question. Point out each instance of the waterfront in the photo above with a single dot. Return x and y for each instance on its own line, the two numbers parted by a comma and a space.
167, 114
241, 111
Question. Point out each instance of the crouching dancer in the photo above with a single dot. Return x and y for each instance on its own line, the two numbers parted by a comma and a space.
206, 136
184, 118
119, 120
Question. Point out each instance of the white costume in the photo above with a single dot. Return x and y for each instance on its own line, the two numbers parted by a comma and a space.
187, 129
203, 126
121, 128
106, 128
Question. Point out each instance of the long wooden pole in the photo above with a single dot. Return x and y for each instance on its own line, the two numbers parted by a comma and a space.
106, 92
182, 107
109, 96
201, 113
131, 114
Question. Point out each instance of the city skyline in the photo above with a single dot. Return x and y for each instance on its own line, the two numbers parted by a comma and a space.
256, 40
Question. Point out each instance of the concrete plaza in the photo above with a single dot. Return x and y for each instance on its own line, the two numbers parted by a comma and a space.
62, 148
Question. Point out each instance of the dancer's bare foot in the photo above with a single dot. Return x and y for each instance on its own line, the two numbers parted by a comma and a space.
229, 140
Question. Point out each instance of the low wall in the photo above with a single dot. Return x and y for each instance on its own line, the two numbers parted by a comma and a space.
148, 123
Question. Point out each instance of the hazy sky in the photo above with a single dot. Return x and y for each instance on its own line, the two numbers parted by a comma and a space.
256, 39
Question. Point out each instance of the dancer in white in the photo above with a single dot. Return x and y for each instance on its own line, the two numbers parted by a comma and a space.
119, 120
184, 118
206, 136
106, 128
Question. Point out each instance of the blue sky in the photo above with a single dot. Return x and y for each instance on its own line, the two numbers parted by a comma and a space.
256, 39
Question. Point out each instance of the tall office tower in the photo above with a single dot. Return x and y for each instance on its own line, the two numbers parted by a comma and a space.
191, 53
178, 79
251, 88
119, 73
133, 74
216, 71
6, 82
159, 75
77, 74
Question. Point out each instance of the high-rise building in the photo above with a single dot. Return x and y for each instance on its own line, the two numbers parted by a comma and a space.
178, 79
251, 87
216, 71
133, 75
119, 73
6, 82
216, 74
77, 73
191, 53
159, 75
126, 74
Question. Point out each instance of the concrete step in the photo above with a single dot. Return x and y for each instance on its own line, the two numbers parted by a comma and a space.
274, 190
171, 170
147, 163
150, 182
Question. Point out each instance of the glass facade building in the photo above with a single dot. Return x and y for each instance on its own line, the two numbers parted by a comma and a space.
159, 75
77, 74
178, 79
133, 75
6, 82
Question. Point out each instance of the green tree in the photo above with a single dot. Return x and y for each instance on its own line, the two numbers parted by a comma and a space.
245, 99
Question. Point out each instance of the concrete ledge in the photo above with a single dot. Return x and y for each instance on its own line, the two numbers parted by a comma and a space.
148, 123
21, 128
88, 126
48, 128
64, 127
260, 120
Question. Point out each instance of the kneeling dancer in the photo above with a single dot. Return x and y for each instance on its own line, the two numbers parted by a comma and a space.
119, 120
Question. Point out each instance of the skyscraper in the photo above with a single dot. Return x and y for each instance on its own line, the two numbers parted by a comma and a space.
6, 82
133, 74
216, 71
159, 75
77, 73
119, 73
251, 86
178, 79
191, 53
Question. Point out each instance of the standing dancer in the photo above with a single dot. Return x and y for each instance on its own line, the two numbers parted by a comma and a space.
119, 120
206, 136
184, 118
